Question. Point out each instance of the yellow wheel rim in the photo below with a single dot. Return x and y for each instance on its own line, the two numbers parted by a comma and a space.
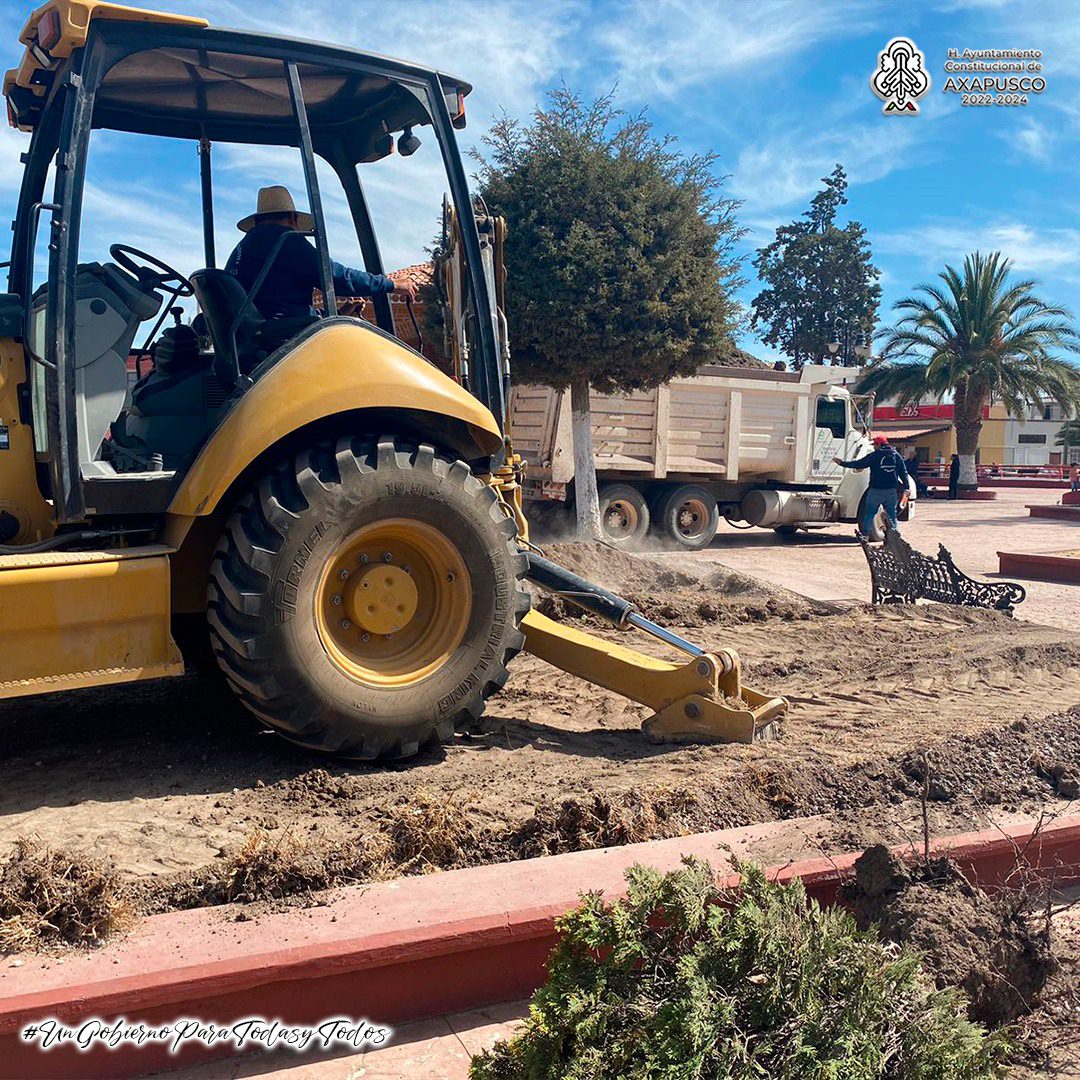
394, 603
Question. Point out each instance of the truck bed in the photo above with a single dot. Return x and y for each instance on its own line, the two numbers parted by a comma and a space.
723, 424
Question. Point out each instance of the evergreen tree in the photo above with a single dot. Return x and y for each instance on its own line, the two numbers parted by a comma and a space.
619, 255
818, 278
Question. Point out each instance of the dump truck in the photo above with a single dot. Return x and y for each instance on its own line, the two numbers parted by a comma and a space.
753, 446
335, 520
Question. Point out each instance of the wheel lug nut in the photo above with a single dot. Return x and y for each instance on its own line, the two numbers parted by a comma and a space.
336, 600
387, 557
450, 577
407, 568
345, 624
365, 637
364, 560
343, 575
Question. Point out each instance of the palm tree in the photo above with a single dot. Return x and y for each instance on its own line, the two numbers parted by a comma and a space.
979, 338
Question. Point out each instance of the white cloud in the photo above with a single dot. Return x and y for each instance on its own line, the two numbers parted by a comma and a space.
1032, 140
662, 48
788, 168
779, 169
507, 49
12, 144
1032, 250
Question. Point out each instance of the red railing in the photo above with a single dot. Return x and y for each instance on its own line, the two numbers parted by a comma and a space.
936, 471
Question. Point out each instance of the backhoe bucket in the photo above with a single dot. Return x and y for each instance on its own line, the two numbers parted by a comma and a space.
702, 700
728, 712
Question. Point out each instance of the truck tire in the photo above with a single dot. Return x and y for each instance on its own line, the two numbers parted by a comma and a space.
624, 515
688, 516
365, 599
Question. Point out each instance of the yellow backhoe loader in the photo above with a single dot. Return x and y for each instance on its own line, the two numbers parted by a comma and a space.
341, 515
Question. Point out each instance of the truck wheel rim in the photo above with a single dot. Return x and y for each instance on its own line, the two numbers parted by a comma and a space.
620, 519
393, 603
691, 518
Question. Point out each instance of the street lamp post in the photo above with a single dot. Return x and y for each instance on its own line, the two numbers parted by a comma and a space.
850, 343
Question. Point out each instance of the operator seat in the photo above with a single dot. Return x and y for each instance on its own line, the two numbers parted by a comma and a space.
221, 298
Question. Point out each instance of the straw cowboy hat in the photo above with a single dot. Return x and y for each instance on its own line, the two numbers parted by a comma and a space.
272, 202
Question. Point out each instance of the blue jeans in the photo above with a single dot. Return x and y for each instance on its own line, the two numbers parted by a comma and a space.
879, 499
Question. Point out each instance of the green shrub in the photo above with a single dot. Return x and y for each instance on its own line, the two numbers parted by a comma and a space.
681, 982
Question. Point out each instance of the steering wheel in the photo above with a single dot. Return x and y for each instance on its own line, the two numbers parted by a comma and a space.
126, 256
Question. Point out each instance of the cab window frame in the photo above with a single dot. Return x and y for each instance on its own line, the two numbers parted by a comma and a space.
831, 423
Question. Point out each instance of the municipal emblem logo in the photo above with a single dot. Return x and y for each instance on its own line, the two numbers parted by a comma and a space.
900, 79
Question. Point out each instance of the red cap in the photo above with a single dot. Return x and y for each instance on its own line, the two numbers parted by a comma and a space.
880, 440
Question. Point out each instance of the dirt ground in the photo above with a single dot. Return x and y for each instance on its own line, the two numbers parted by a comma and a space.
1051, 1034
164, 778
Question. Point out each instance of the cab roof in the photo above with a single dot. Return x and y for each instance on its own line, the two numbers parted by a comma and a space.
57, 28
232, 91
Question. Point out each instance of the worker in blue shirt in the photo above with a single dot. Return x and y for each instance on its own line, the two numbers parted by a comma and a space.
286, 290
888, 476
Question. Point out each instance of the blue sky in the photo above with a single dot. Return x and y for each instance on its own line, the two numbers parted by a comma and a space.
779, 89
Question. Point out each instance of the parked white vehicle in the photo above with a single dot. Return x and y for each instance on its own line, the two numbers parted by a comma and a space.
756, 446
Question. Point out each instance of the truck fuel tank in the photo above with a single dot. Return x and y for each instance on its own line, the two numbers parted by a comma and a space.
767, 508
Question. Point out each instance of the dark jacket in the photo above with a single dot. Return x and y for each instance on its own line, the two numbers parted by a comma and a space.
954, 469
887, 469
286, 290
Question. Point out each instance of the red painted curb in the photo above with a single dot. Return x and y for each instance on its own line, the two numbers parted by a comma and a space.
1061, 568
391, 952
1071, 498
1062, 513
1007, 484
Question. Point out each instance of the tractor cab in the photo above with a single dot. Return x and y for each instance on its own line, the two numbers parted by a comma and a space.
334, 518
135, 357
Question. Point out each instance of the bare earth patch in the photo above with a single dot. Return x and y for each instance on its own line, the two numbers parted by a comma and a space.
176, 786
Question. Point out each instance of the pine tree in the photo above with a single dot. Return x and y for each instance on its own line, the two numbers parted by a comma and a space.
817, 275
620, 257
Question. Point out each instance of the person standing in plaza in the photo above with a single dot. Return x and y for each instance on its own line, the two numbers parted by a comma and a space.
912, 464
954, 476
888, 477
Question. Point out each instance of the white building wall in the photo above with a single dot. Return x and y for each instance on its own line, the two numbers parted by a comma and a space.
1033, 440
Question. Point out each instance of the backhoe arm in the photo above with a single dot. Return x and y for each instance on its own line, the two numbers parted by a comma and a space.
702, 700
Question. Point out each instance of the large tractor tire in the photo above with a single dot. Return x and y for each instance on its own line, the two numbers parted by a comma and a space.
366, 599
688, 516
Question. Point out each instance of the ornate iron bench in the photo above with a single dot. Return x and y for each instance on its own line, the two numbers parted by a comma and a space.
902, 575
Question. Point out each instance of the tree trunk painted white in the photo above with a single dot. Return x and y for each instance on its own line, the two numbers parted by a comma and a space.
969, 409
968, 477
586, 498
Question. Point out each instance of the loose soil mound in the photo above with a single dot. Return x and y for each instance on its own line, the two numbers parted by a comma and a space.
985, 945
420, 833
1050, 1037
666, 595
